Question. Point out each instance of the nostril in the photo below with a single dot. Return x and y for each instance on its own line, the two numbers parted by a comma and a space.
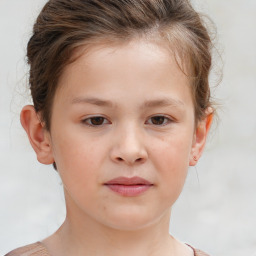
119, 159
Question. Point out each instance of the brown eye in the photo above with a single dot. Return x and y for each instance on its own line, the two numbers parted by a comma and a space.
159, 120
95, 121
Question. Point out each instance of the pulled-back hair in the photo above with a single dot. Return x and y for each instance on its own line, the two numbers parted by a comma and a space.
65, 25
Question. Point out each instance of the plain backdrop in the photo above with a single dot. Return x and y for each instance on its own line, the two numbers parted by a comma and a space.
217, 209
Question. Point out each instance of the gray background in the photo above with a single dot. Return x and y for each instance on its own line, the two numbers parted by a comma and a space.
216, 211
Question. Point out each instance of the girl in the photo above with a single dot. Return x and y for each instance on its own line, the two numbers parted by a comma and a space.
121, 109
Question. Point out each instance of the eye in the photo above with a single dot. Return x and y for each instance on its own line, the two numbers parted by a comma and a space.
95, 121
159, 120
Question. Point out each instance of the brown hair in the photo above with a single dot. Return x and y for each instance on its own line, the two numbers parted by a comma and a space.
64, 25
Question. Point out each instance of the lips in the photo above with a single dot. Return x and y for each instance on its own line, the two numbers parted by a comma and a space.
129, 186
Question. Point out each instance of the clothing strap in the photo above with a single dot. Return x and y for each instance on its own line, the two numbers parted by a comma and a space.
197, 252
36, 249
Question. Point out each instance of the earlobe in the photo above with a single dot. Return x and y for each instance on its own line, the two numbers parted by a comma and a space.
39, 138
200, 138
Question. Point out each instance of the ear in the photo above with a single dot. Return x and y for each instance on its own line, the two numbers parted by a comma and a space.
200, 136
38, 136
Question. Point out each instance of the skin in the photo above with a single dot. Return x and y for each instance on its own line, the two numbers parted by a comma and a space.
119, 111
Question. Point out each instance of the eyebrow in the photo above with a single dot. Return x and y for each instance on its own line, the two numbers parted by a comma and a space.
162, 102
165, 102
93, 101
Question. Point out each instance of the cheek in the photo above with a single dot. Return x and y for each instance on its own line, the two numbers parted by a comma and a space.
171, 159
174, 165
173, 152
77, 160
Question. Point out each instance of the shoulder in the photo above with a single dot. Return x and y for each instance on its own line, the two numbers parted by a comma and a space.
36, 249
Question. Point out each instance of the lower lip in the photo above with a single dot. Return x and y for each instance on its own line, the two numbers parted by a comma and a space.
129, 190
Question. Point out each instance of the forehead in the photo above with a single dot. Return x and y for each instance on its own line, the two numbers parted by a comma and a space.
134, 51
135, 66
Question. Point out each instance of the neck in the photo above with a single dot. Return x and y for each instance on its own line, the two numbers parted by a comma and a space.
82, 235
90, 238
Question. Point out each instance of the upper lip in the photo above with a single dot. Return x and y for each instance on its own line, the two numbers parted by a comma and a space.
128, 181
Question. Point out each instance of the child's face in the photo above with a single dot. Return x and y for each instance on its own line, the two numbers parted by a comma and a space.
123, 111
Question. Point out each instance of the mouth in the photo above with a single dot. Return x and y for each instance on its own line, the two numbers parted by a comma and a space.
129, 187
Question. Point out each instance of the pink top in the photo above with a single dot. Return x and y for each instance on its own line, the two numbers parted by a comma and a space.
38, 249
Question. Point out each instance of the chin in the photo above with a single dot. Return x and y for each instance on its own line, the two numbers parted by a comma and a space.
132, 220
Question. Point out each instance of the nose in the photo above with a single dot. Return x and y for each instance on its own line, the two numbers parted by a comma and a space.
129, 147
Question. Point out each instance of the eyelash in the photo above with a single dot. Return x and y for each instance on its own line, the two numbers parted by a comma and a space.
103, 121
